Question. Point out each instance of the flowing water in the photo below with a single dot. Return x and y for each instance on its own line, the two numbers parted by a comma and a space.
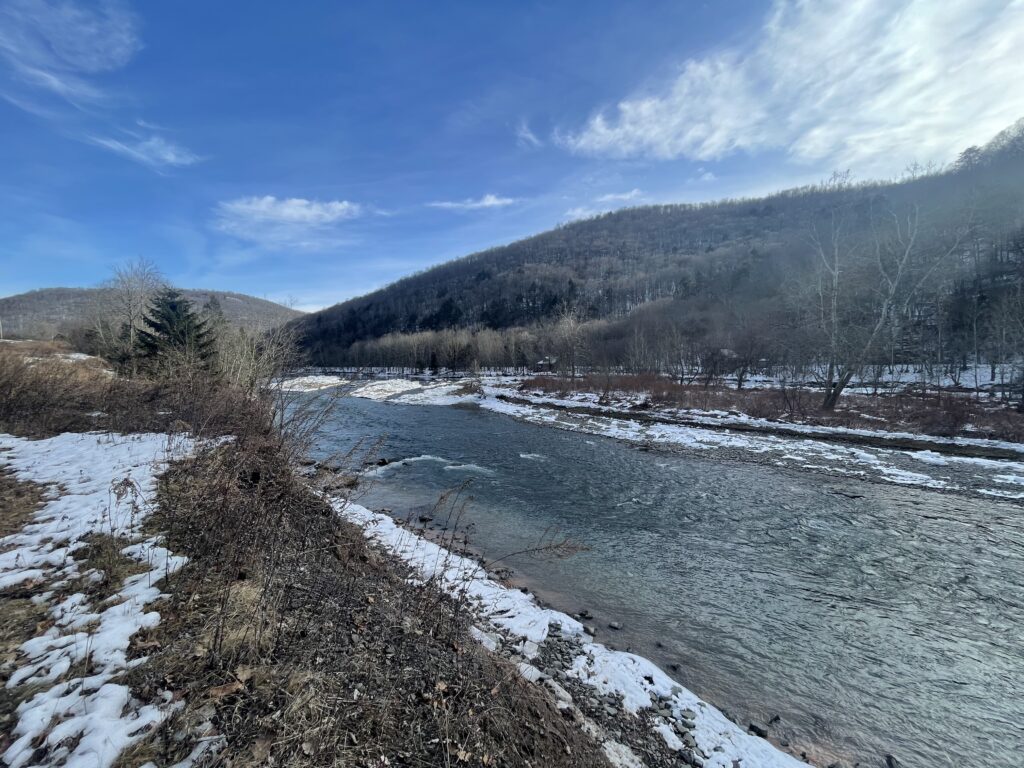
869, 618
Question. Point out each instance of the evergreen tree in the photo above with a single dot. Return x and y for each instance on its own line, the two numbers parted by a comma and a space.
172, 327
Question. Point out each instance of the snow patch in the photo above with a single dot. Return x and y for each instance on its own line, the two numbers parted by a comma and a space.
107, 482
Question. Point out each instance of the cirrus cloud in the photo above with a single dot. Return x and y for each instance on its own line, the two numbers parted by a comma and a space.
487, 201
53, 53
155, 151
869, 84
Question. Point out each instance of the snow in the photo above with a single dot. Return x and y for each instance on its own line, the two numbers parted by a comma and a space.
106, 484
880, 464
312, 383
518, 616
382, 390
409, 392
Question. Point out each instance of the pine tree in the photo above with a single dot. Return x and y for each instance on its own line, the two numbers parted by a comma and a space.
173, 328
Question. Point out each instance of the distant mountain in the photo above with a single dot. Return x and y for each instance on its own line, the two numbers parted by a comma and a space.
46, 312
694, 262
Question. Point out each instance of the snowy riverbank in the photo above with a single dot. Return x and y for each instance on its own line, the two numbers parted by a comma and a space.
512, 622
824, 449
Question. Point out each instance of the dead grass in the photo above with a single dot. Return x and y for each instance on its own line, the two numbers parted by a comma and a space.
103, 555
19, 500
943, 414
299, 644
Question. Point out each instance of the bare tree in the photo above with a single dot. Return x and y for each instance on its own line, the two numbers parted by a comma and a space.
130, 292
894, 261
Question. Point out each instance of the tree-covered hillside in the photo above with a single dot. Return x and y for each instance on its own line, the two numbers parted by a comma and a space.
47, 312
803, 273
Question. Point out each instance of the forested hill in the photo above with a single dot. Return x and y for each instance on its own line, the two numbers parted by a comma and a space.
701, 266
46, 312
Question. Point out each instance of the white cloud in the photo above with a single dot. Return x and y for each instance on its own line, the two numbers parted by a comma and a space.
583, 212
525, 138
155, 151
869, 85
614, 197
293, 222
487, 201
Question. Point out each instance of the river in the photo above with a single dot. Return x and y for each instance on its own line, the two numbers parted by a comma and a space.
868, 618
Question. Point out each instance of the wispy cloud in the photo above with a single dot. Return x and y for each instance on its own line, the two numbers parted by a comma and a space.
620, 197
54, 51
525, 138
56, 46
293, 222
869, 85
583, 212
154, 151
487, 201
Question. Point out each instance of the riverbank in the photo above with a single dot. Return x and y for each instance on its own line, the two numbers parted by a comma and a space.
771, 588
973, 466
189, 595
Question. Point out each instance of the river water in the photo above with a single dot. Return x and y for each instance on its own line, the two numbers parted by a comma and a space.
869, 618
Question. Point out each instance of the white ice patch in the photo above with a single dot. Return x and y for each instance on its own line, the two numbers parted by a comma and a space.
638, 681
107, 482
312, 383
382, 390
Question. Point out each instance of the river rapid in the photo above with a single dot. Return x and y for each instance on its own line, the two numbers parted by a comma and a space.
869, 619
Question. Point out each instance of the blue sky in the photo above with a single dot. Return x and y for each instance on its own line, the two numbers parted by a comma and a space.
310, 152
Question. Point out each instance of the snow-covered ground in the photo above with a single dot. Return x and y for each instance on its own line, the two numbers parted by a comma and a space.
510, 616
100, 483
927, 469
624, 401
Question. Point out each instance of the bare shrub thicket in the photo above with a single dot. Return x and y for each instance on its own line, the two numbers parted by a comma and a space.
945, 414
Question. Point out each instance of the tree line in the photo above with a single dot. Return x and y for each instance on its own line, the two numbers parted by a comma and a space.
836, 282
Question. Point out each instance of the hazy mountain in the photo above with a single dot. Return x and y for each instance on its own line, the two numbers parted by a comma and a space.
49, 311
708, 256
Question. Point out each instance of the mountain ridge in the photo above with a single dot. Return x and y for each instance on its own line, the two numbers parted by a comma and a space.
45, 312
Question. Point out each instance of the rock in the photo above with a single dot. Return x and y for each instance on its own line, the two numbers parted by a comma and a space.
614, 625
382, 462
424, 518
665, 713
688, 740
689, 714
892, 762
774, 719
585, 614
757, 730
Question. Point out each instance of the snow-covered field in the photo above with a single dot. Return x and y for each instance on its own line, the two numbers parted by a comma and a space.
99, 484
511, 616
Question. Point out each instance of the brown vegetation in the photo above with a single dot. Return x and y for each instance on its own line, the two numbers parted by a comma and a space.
941, 414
